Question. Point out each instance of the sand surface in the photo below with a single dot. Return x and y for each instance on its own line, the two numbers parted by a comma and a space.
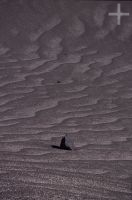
65, 67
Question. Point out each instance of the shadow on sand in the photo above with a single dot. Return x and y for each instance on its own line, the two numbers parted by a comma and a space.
59, 147
62, 145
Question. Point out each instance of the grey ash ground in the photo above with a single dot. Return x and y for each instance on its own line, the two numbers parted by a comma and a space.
65, 67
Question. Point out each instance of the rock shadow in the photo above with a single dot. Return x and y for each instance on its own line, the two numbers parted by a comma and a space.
63, 145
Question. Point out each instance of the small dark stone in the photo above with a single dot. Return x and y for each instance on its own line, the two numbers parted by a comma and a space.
66, 143
58, 82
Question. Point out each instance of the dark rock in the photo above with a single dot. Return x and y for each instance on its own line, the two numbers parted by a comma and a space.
66, 143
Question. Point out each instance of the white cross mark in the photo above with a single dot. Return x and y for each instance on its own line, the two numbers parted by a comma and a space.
119, 14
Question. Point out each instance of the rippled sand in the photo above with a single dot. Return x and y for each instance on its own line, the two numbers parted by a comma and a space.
65, 67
